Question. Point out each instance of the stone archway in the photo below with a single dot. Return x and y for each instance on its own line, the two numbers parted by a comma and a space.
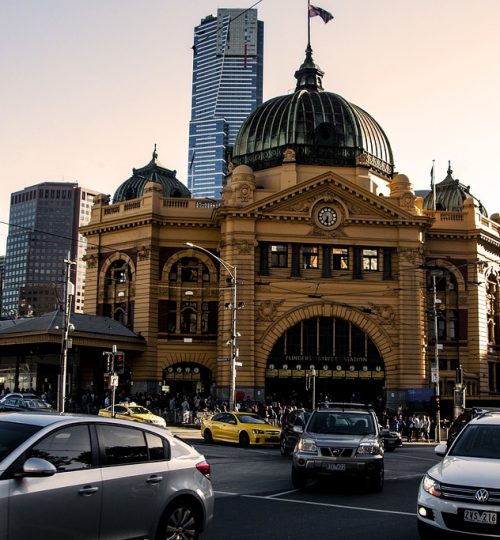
364, 321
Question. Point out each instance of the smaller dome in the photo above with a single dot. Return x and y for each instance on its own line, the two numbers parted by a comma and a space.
451, 195
152, 172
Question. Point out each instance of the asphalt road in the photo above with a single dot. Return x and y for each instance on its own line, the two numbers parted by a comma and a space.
255, 498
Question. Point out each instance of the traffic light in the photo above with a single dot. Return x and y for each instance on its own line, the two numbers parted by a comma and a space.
119, 362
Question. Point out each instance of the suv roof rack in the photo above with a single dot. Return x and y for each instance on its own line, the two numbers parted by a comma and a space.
344, 405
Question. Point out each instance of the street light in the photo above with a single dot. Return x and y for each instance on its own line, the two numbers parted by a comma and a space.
69, 292
435, 369
232, 271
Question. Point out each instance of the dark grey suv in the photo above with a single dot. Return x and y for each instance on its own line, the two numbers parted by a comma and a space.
342, 440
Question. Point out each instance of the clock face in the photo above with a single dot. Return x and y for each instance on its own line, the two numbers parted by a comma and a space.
327, 216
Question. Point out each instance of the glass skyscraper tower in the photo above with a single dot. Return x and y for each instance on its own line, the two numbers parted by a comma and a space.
43, 229
227, 86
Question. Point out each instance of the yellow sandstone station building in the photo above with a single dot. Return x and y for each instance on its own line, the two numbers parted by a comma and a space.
318, 267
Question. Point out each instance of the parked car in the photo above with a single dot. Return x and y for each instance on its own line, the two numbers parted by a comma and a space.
461, 494
81, 477
341, 440
244, 428
290, 430
132, 411
20, 401
392, 439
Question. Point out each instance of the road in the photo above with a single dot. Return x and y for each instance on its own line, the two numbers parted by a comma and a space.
255, 498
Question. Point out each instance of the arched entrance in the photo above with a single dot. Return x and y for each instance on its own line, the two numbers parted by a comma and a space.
187, 378
346, 363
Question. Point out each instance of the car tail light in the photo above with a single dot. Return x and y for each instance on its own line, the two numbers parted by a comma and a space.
204, 468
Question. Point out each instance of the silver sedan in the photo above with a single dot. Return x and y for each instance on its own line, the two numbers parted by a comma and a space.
88, 477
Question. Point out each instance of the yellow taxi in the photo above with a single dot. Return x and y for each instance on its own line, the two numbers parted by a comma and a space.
244, 428
132, 411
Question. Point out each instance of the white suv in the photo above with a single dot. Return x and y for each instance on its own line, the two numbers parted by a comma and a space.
461, 494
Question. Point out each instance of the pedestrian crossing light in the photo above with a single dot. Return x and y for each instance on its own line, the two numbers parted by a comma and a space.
119, 362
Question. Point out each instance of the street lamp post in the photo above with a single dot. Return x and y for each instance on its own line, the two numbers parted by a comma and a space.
68, 295
435, 368
232, 271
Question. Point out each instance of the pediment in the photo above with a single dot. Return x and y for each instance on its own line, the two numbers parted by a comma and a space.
299, 201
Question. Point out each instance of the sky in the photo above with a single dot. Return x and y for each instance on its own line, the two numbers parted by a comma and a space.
88, 87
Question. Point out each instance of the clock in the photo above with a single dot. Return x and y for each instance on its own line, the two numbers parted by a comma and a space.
327, 216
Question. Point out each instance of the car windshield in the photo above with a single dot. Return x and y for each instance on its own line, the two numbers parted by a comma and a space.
36, 404
482, 441
12, 435
251, 419
138, 410
341, 423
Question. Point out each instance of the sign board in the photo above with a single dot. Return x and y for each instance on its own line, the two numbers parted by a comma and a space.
223, 359
238, 364
113, 381
434, 376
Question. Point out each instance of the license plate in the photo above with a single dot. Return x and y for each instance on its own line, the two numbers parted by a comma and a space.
335, 467
476, 516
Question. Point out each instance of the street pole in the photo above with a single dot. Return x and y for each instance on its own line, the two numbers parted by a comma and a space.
233, 342
68, 294
435, 370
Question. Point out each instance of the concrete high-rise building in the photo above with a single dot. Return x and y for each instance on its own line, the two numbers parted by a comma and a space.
227, 87
43, 229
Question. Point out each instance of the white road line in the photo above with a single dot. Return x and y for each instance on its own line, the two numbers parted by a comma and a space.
376, 510
226, 493
283, 493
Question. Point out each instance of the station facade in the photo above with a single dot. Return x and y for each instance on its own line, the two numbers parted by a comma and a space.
344, 274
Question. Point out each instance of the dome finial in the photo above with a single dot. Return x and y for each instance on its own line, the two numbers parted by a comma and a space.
155, 155
449, 171
309, 75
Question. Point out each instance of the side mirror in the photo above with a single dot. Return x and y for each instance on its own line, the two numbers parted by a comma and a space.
298, 429
440, 450
37, 467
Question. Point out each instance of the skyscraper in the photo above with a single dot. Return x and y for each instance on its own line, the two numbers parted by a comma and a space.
43, 229
227, 86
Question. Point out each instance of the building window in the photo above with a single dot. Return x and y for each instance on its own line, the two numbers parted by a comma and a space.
340, 258
279, 256
310, 257
370, 259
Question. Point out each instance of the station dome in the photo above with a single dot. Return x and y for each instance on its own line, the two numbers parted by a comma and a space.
450, 196
152, 172
322, 128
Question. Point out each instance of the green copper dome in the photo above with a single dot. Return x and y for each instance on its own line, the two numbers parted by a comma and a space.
321, 127
152, 172
450, 196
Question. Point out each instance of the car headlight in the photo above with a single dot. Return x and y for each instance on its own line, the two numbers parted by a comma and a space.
433, 487
258, 431
369, 448
307, 445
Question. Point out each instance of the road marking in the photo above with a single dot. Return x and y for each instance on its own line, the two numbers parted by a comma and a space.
283, 493
226, 493
329, 505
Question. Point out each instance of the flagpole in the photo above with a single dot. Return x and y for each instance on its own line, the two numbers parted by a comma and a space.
433, 185
308, 24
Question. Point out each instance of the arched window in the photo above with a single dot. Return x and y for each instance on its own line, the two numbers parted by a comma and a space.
118, 272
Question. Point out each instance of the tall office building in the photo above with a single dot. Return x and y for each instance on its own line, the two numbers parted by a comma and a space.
227, 86
43, 229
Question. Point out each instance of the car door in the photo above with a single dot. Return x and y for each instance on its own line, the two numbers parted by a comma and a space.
218, 432
232, 428
135, 480
66, 504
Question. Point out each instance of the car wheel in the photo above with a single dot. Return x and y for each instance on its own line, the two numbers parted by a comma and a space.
244, 439
299, 479
285, 451
180, 521
376, 481
207, 435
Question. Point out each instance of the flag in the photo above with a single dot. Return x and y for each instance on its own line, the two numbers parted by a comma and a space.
317, 11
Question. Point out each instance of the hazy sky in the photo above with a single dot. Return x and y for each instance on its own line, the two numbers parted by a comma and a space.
87, 87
